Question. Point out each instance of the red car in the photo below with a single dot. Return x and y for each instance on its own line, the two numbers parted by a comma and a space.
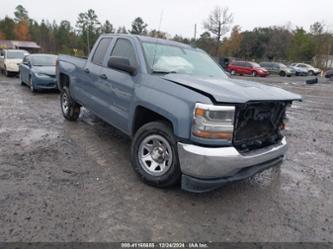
247, 68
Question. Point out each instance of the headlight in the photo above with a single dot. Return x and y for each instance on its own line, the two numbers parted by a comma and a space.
41, 75
213, 122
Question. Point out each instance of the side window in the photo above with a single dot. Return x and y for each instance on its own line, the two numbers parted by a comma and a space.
100, 51
123, 48
25, 59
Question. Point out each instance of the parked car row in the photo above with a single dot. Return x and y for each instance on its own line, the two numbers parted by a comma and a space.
35, 70
263, 69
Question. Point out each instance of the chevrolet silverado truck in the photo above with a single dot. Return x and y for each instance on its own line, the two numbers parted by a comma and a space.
189, 122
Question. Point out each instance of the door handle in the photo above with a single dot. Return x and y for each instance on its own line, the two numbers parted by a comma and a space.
103, 76
86, 70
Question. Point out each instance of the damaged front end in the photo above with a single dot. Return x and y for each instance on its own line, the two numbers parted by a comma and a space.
259, 124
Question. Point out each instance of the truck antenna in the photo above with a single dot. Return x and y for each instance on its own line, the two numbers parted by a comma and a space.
156, 40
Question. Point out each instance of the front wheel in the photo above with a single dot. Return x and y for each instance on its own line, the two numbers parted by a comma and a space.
154, 155
32, 86
254, 74
21, 80
7, 74
70, 109
282, 73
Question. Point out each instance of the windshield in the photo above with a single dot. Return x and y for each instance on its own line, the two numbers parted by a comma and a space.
282, 65
255, 64
15, 54
172, 59
44, 60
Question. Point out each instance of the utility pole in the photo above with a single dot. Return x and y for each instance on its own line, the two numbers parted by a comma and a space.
88, 44
195, 32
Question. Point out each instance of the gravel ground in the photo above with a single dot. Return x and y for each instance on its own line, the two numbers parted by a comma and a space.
63, 181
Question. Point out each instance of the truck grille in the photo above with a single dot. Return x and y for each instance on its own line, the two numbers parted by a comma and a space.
257, 125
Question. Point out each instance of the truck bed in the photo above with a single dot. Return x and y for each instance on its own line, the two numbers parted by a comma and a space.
77, 61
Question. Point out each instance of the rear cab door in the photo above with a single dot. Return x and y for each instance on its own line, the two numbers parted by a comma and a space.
88, 90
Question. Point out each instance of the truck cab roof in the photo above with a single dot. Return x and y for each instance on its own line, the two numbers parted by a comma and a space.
149, 39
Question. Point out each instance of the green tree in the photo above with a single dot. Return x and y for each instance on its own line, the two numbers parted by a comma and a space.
107, 27
207, 43
158, 34
122, 30
21, 14
89, 28
139, 27
7, 28
302, 46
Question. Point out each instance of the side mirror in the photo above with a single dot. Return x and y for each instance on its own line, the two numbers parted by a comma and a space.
27, 63
122, 64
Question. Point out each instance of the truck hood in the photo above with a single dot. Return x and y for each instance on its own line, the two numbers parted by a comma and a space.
228, 90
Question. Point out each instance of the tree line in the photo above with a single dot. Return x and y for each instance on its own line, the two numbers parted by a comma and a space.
264, 43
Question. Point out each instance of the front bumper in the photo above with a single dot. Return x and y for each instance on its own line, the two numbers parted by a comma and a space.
45, 82
13, 68
209, 164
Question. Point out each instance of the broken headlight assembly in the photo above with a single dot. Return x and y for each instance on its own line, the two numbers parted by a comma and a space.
213, 122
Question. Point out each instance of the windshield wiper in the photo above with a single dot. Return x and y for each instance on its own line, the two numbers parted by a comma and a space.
162, 72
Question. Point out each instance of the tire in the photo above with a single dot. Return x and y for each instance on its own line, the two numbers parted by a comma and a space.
282, 74
233, 72
20, 77
155, 142
311, 73
70, 109
254, 74
7, 74
31, 85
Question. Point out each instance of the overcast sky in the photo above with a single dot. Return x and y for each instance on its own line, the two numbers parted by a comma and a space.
179, 16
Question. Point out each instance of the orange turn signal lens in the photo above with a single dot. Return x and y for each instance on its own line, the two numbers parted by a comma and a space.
213, 135
199, 112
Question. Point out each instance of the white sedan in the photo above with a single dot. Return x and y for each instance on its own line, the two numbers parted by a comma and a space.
310, 69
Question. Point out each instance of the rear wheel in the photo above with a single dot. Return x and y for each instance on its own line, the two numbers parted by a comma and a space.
233, 72
311, 73
154, 155
282, 73
70, 109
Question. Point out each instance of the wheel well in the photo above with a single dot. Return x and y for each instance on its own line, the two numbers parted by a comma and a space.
64, 80
143, 116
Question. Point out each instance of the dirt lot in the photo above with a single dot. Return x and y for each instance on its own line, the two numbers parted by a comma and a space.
63, 181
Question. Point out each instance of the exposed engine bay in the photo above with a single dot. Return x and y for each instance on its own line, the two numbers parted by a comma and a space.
258, 124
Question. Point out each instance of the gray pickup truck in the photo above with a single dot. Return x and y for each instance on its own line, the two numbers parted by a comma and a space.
189, 122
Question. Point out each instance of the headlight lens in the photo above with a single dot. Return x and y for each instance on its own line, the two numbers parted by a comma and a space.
41, 75
213, 122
